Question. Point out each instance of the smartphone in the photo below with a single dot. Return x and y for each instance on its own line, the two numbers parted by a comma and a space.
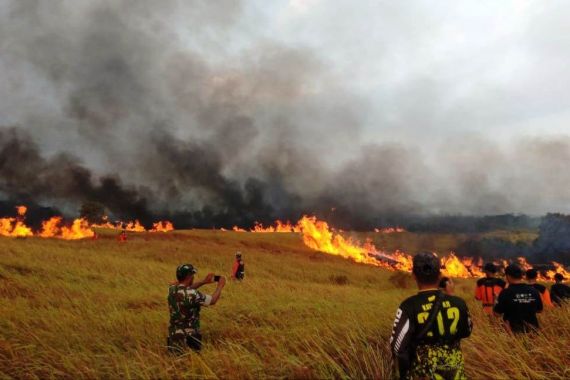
217, 278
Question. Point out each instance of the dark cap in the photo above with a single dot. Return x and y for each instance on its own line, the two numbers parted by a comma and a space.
514, 271
184, 270
559, 277
490, 267
238, 254
531, 274
427, 266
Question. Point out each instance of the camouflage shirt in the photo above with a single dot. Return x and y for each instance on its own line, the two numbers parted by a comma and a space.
184, 304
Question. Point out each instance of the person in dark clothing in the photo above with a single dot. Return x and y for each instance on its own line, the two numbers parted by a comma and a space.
518, 303
560, 292
429, 326
447, 286
489, 288
531, 276
238, 270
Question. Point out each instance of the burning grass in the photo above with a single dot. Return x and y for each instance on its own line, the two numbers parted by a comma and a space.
91, 308
56, 227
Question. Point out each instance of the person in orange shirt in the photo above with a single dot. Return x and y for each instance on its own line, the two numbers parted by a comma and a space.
489, 287
531, 276
238, 270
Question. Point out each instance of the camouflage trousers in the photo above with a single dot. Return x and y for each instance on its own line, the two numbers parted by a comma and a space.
438, 362
180, 339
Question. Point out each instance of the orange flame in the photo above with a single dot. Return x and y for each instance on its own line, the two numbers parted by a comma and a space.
21, 210
15, 227
318, 236
283, 227
134, 227
237, 229
558, 268
54, 228
163, 226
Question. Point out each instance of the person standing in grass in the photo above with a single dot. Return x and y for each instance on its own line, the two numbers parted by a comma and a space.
531, 276
429, 327
519, 303
489, 288
185, 302
560, 292
238, 269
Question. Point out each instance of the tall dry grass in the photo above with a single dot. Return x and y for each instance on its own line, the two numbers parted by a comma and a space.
97, 309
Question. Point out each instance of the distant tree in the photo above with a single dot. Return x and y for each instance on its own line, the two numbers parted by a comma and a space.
92, 211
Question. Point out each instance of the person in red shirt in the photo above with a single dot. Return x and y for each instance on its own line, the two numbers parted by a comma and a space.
238, 270
122, 238
489, 288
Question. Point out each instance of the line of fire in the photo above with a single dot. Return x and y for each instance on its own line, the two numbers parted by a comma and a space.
316, 234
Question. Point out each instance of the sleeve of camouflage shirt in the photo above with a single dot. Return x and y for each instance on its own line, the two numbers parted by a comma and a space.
203, 299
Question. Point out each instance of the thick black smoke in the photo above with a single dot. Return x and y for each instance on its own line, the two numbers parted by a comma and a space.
170, 110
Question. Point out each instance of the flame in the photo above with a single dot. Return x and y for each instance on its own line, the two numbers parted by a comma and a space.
134, 227
283, 227
318, 236
21, 210
54, 228
15, 227
558, 268
163, 226
237, 229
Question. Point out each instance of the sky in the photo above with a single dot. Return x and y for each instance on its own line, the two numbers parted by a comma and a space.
432, 69
276, 108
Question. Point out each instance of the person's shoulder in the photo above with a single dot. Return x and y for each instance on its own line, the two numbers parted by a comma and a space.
506, 291
541, 288
172, 288
525, 288
410, 302
481, 281
500, 282
455, 300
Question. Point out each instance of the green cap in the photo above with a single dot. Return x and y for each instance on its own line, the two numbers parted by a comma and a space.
184, 270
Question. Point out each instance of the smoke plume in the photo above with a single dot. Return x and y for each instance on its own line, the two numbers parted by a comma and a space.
171, 109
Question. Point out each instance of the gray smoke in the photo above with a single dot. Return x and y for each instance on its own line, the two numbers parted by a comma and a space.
171, 109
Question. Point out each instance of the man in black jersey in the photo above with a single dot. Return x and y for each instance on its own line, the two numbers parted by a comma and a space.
518, 303
429, 327
559, 291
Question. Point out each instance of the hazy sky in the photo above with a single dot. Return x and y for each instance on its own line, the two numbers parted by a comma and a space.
431, 69
368, 106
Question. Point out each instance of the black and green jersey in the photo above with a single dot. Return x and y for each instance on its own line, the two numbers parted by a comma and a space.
438, 353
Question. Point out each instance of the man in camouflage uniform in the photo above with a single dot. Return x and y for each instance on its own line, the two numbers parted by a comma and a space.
184, 302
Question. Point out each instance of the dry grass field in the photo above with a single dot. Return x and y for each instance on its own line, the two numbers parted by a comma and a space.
97, 309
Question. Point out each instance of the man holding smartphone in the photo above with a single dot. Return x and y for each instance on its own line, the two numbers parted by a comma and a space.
185, 302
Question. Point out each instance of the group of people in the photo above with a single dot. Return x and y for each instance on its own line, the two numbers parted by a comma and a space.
429, 326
